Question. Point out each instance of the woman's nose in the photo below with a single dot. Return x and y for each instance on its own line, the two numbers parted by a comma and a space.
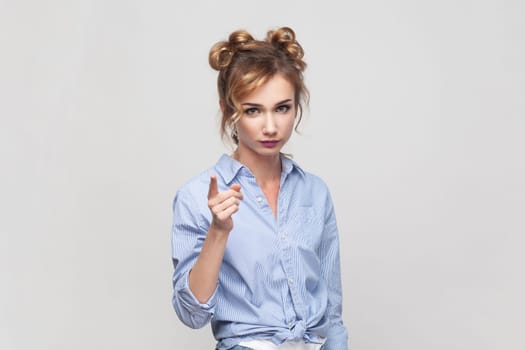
269, 127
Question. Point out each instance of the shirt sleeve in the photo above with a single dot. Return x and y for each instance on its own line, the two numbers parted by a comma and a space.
188, 234
337, 337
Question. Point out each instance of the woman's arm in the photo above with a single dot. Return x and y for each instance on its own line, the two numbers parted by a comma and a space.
205, 273
197, 250
337, 338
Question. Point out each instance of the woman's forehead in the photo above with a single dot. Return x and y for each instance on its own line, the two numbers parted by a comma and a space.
274, 90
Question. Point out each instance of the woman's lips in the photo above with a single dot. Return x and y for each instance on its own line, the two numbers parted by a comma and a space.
269, 143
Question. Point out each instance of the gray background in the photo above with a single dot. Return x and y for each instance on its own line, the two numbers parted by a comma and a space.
416, 123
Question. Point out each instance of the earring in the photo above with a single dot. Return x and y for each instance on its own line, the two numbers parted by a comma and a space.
235, 134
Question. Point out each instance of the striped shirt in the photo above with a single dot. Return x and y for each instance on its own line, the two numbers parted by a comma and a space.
280, 276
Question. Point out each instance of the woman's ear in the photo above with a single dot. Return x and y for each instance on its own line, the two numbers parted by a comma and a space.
221, 104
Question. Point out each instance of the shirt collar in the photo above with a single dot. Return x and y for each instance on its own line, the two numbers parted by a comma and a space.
288, 165
228, 168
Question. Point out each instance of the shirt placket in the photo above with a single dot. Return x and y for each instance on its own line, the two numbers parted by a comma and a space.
293, 313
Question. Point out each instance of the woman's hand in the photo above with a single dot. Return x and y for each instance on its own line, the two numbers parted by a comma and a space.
223, 205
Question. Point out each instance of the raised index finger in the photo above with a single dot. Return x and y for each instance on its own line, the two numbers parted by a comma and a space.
213, 190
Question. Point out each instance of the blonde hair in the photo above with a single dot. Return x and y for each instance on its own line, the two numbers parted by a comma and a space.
244, 64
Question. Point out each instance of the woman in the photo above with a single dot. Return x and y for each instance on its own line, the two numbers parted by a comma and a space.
255, 240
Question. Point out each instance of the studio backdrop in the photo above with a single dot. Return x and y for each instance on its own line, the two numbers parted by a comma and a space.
416, 124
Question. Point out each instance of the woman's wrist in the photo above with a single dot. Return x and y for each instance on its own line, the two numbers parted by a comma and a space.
218, 233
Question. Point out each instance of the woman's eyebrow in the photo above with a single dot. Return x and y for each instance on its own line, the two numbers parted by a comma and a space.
284, 101
251, 104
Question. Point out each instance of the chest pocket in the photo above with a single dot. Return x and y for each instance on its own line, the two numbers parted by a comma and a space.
305, 226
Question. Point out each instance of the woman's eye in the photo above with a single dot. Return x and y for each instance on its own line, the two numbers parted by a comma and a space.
283, 108
251, 111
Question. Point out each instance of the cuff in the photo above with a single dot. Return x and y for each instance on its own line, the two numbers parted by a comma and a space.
191, 311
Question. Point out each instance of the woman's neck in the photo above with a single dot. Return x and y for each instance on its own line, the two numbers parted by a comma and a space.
265, 169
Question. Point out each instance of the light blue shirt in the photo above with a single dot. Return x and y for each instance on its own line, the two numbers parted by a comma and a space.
280, 275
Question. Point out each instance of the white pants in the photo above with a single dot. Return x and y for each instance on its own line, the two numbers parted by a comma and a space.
289, 345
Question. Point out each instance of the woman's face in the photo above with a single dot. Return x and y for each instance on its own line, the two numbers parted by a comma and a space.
267, 119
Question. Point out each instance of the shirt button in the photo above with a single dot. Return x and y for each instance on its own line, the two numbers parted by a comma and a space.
290, 280
283, 236
259, 199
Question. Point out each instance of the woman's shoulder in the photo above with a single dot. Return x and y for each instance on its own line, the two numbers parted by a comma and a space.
199, 184
309, 178
315, 179
308, 182
318, 187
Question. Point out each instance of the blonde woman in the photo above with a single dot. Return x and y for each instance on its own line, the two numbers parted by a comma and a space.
255, 240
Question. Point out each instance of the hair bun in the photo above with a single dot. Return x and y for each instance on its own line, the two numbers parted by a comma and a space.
239, 38
221, 54
284, 39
